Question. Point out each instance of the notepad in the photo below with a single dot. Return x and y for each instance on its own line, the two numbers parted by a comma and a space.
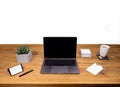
94, 69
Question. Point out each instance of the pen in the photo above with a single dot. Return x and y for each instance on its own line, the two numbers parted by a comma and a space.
26, 73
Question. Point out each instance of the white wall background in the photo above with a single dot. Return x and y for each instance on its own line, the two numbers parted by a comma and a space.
28, 21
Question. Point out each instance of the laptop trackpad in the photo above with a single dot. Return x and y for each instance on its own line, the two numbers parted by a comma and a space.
59, 69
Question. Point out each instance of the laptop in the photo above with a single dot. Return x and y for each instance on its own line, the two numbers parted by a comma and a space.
60, 55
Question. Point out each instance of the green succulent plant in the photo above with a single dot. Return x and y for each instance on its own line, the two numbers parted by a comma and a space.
23, 50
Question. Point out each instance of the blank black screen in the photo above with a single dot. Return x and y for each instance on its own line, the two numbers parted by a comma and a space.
60, 47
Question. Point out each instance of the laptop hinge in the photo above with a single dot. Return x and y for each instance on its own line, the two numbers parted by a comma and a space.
60, 58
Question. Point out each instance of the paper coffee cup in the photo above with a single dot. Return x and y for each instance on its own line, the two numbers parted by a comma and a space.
104, 50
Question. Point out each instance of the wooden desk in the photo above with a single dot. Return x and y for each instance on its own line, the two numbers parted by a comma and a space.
110, 75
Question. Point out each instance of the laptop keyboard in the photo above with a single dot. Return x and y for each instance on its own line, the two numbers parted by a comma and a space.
60, 63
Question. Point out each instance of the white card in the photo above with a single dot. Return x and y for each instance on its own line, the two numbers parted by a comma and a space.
94, 69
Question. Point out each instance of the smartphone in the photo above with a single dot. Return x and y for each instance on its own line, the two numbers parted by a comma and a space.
15, 69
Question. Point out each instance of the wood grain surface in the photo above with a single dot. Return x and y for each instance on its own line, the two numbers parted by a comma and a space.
110, 74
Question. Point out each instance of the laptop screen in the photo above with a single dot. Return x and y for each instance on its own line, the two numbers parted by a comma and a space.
60, 47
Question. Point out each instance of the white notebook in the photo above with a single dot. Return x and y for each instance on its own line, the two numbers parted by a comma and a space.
94, 69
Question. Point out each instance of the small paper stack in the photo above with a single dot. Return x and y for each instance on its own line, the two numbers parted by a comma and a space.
94, 69
85, 53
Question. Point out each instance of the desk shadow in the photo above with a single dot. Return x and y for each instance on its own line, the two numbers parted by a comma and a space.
59, 85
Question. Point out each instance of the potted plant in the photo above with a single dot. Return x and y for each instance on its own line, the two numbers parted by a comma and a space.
23, 54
